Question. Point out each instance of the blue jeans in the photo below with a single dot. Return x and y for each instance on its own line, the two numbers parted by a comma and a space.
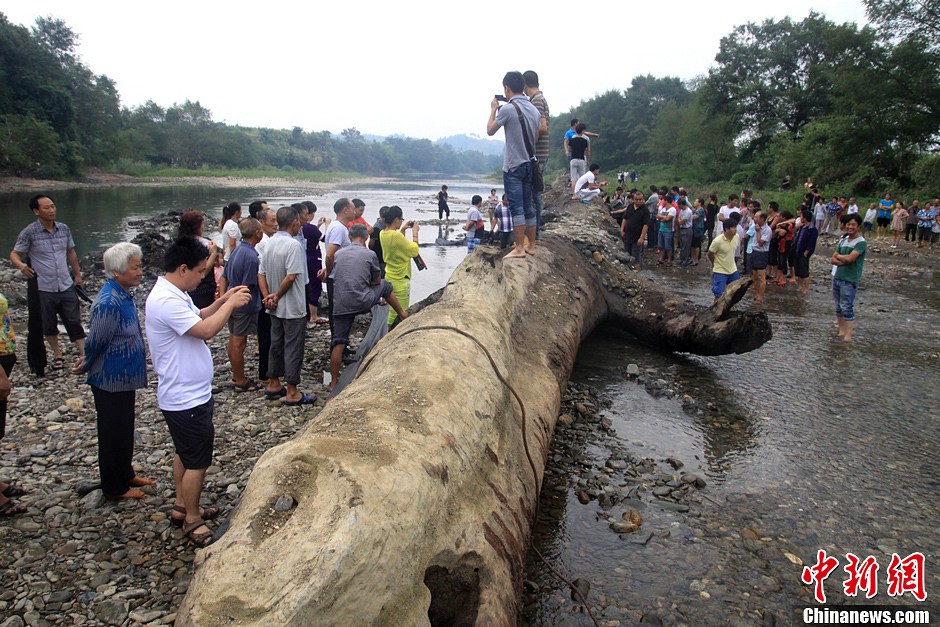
666, 240
720, 282
843, 293
518, 185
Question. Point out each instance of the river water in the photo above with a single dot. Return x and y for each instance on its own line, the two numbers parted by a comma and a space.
99, 217
805, 444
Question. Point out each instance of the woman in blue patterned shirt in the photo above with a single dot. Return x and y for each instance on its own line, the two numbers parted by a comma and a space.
116, 365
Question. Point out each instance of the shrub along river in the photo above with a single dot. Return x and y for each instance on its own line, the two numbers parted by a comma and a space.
681, 489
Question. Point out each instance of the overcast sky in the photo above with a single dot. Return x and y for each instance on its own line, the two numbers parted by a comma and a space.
410, 67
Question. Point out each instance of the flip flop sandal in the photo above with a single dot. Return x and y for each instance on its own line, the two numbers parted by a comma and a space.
13, 490
207, 512
250, 386
275, 395
305, 399
12, 508
58, 363
201, 540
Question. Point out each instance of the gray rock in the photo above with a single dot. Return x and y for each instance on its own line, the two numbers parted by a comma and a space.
59, 596
697, 481
144, 616
111, 612
675, 463
284, 503
662, 491
616, 464
583, 586
633, 370
13, 621
93, 500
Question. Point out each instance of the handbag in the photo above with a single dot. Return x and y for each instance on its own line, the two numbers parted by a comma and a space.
538, 183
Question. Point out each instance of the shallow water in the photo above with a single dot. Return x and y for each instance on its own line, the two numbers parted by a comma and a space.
98, 217
810, 445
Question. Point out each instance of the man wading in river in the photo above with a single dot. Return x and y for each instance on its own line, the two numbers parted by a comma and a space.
518, 116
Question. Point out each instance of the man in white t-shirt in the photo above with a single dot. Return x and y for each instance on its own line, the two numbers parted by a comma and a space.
176, 333
730, 207
268, 219
587, 187
336, 237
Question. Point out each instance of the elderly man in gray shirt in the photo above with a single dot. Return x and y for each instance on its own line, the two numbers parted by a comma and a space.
51, 251
281, 278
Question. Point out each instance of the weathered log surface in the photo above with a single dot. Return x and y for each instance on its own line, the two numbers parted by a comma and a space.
416, 487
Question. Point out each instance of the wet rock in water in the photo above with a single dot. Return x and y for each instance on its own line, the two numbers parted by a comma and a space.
662, 491
675, 463
582, 586
583, 497
111, 612
616, 464
633, 370
633, 516
694, 479
623, 526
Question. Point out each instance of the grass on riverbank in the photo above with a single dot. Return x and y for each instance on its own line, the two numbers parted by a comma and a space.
146, 170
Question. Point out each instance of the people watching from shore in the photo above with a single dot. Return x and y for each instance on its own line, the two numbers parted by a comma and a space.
928, 218
475, 225
282, 277
502, 223
313, 236
8, 507
192, 224
177, 331
242, 269
49, 246
442, 206
587, 186
804, 245
721, 255
579, 154
231, 214
898, 223
848, 261
359, 287
256, 207
666, 215
520, 120
684, 221
760, 235
399, 252
116, 364
885, 207
336, 237
633, 228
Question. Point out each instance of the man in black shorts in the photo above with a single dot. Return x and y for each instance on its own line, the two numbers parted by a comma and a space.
633, 228
177, 332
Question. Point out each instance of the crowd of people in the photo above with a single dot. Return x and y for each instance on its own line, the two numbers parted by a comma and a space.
264, 281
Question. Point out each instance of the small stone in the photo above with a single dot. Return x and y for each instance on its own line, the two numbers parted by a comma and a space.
598, 257
27, 525
93, 500
59, 596
75, 404
623, 527
749, 534
111, 612
675, 463
143, 617
616, 464
583, 497
697, 481
582, 586
284, 503
13, 621
565, 419
662, 491
632, 516
52, 416
633, 370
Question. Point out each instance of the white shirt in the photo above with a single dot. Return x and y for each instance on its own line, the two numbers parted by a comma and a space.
725, 212
230, 230
586, 179
182, 362
852, 209
260, 246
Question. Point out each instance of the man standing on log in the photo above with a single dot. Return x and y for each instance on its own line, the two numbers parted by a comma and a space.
537, 98
517, 117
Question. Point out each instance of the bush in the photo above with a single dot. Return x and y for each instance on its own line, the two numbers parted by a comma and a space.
926, 174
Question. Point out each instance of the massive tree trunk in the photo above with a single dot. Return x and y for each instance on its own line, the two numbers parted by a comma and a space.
414, 490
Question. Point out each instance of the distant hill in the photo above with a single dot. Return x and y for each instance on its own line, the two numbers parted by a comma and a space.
473, 142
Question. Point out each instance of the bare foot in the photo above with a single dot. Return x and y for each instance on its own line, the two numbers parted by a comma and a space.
530, 251
515, 254
133, 493
141, 481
